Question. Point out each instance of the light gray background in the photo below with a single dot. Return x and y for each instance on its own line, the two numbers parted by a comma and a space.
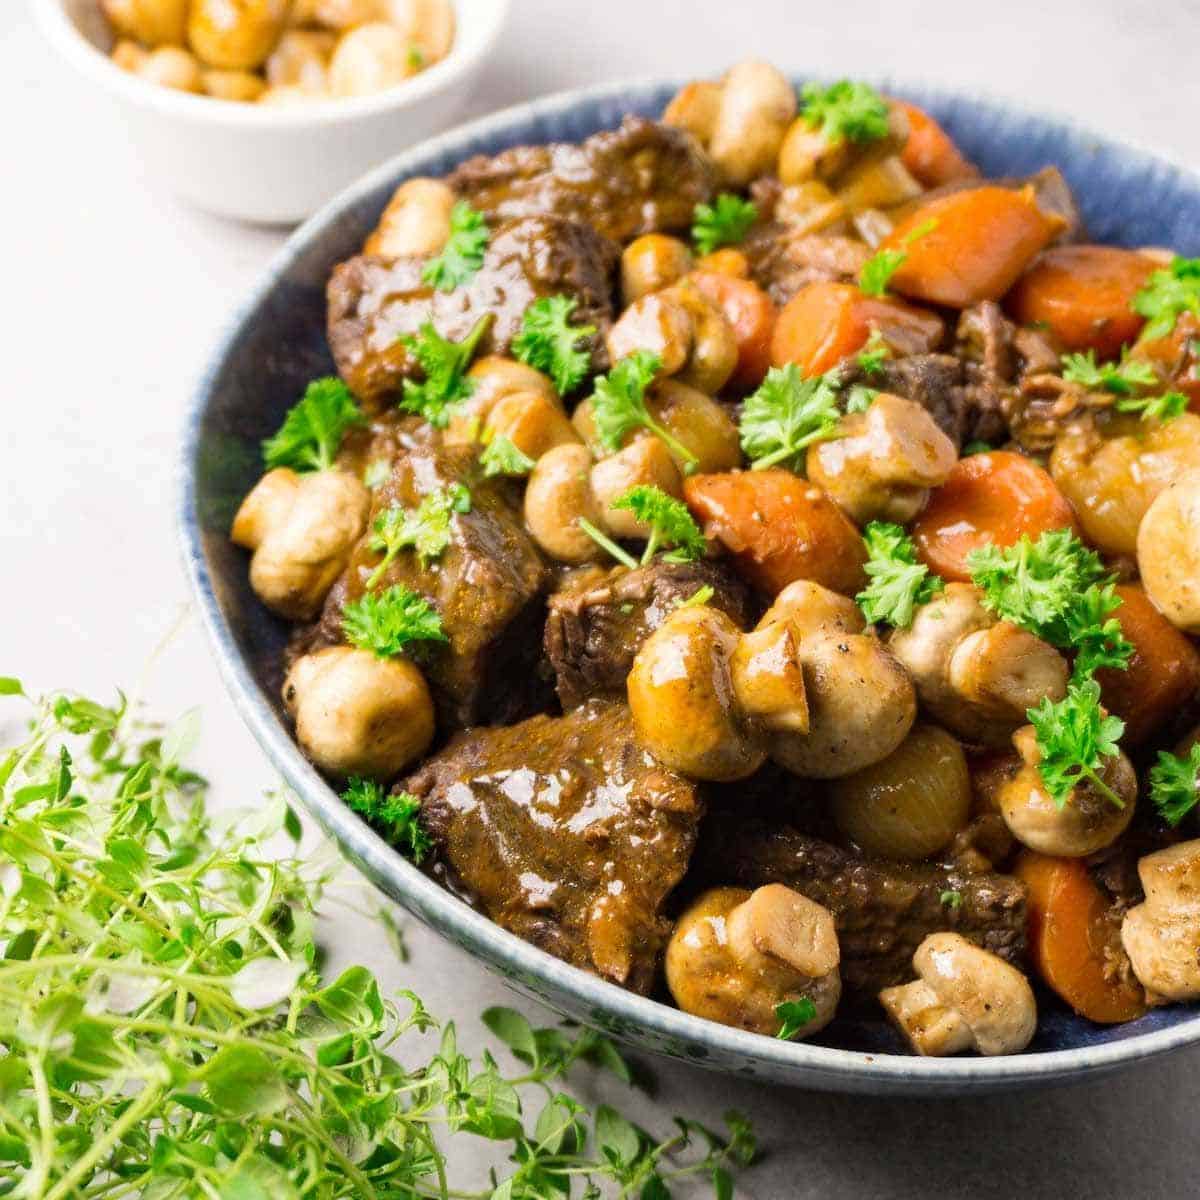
113, 293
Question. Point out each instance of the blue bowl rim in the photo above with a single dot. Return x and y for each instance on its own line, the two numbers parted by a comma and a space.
806, 1064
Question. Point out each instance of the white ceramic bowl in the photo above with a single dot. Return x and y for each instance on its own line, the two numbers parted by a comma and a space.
270, 164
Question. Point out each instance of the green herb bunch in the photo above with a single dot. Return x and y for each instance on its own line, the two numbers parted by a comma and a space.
165, 1030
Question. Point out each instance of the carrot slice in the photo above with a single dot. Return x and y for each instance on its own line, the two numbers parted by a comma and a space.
969, 245
1073, 944
750, 314
993, 497
779, 528
1162, 675
825, 322
1082, 294
930, 155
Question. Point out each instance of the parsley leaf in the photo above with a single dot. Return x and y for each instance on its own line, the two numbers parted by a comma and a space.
793, 1016
951, 899
878, 270
502, 456
1175, 784
724, 223
975, 446
785, 416
860, 398
670, 523
425, 529
1118, 378
1168, 294
874, 354
898, 583
395, 816
462, 255
845, 110
445, 366
619, 405
377, 473
701, 596
1166, 407
548, 342
311, 432
1058, 590
1074, 737
385, 623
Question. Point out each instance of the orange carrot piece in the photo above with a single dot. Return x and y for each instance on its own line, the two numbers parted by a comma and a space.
1082, 294
1073, 944
779, 528
930, 155
825, 322
993, 497
1162, 675
970, 245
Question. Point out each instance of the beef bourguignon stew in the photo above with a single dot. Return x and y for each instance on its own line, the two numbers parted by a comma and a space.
756, 559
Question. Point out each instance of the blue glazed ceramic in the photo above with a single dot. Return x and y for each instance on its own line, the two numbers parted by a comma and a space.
276, 343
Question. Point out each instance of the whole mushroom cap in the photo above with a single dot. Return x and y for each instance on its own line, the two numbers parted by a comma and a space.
992, 997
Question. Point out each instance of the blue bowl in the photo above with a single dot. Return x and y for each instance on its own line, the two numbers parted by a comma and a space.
276, 344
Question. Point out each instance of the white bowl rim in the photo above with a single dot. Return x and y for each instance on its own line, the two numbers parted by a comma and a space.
800, 1064
60, 30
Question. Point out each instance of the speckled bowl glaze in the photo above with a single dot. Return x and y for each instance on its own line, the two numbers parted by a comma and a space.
276, 343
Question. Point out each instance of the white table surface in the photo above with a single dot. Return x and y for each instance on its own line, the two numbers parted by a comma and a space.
114, 293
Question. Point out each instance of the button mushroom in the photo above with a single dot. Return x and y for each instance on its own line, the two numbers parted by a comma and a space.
301, 59
965, 999
652, 262
1087, 822
706, 697
861, 703
236, 35
977, 675
691, 336
357, 714
1162, 935
699, 424
368, 59
736, 956
416, 220
301, 529
566, 487
741, 120
1168, 552
150, 23
493, 378
883, 461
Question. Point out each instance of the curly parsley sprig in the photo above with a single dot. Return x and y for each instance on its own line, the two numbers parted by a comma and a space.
785, 416
722, 223
793, 1016
387, 623
462, 255
1074, 737
668, 523
1168, 294
619, 405
548, 342
1119, 378
312, 431
427, 529
444, 364
1175, 784
899, 584
845, 111
502, 456
1058, 590
877, 271
395, 815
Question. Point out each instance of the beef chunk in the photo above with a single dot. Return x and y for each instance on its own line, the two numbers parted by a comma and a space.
595, 626
487, 585
883, 910
373, 302
782, 261
641, 178
562, 830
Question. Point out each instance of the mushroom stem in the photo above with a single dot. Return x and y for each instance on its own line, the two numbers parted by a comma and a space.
930, 1027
